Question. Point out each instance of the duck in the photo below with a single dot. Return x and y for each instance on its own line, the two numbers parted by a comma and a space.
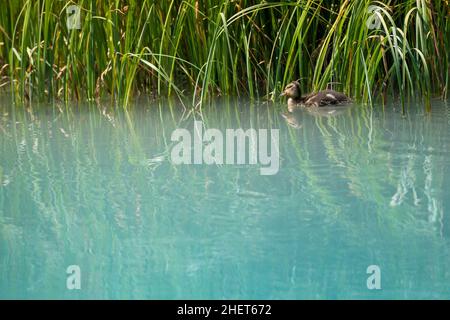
315, 100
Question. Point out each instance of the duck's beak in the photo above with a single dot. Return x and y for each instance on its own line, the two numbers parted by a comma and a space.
282, 94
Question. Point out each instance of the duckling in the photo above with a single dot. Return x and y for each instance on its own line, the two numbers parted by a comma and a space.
318, 99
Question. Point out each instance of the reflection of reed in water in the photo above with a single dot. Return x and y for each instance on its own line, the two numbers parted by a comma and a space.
351, 150
103, 193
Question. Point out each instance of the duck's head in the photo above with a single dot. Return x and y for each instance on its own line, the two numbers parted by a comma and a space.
292, 90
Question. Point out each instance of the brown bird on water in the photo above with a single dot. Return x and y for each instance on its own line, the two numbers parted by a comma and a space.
317, 99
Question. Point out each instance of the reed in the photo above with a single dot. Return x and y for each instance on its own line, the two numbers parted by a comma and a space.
202, 49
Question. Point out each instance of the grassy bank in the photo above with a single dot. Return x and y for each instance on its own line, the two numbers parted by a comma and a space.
200, 49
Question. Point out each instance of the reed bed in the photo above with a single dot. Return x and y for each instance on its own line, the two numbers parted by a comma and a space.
198, 50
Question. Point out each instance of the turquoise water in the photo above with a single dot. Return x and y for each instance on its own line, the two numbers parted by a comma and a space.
95, 187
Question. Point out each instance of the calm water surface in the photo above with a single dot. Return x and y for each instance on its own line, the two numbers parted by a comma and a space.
95, 187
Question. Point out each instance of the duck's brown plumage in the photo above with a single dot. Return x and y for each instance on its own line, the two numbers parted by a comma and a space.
317, 99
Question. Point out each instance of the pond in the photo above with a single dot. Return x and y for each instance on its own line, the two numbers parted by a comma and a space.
357, 205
